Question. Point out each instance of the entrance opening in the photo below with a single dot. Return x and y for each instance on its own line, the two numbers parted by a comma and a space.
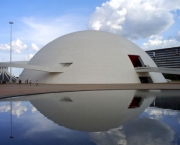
136, 102
145, 79
136, 60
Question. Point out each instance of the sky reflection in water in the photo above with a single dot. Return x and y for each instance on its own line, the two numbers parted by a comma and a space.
92, 117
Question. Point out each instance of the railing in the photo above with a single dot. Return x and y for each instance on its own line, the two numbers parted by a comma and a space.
158, 69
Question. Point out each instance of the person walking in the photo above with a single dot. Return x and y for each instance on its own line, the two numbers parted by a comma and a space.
37, 83
30, 82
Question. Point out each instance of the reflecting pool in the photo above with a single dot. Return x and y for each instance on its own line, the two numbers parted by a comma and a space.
116, 117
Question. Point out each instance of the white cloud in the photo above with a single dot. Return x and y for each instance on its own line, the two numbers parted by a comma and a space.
159, 43
34, 47
134, 19
4, 47
33, 109
17, 108
5, 108
148, 131
139, 131
28, 57
42, 31
111, 137
158, 113
17, 46
156, 37
178, 36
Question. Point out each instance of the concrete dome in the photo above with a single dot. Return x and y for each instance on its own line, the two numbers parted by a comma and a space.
90, 57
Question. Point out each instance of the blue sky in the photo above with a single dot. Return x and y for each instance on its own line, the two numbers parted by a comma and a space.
151, 24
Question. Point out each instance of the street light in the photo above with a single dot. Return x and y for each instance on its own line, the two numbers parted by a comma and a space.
10, 50
11, 136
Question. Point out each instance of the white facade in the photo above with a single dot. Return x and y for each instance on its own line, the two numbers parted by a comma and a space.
89, 57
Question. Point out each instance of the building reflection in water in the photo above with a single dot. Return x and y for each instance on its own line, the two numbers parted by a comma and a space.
91, 111
106, 117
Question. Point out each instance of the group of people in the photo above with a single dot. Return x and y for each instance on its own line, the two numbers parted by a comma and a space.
28, 82
2, 82
19, 81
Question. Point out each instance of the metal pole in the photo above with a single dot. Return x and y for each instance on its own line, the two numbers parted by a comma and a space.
11, 136
10, 50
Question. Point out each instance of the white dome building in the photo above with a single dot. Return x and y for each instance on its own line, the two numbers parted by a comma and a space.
91, 57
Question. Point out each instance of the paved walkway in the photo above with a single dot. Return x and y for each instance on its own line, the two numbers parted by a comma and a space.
11, 90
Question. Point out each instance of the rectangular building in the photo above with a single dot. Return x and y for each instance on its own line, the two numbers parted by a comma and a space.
167, 57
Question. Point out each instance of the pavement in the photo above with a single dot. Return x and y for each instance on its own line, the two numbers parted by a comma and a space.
14, 89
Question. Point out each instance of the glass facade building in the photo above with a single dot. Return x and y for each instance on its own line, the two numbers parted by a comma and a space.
168, 57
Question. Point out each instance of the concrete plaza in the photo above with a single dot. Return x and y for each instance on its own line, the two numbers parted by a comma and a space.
13, 89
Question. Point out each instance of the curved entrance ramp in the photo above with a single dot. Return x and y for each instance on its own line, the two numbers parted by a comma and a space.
158, 69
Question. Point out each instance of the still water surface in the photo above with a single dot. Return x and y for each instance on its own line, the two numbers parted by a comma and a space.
117, 117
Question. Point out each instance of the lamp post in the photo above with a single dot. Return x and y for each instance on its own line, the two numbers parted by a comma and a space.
11, 136
10, 50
